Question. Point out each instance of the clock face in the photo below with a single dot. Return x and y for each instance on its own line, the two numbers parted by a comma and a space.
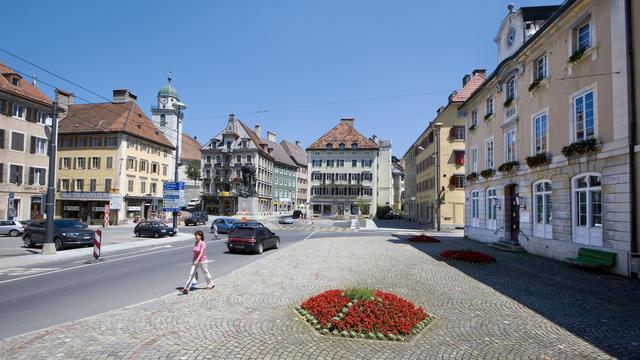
511, 36
164, 101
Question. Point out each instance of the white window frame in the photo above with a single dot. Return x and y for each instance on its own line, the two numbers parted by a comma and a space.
492, 206
489, 107
62, 184
542, 219
75, 185
36, 181
473, 122
534, 132
96, 187
43, 118
574, 98
9, 173
84, 162
474, 159
513, 152
475, 208
537, 67
489, 155
43, 142
23, 111
589, 234
590, 33
511, 88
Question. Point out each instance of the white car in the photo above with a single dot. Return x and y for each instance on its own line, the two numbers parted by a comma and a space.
193, 203
11, 227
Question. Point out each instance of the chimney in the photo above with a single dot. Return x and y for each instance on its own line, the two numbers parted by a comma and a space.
466, 79
374, 137
257, 131
271, 136
122, 96
298, 144
452, 95
64, 99
347, 121
232, 117
479, 71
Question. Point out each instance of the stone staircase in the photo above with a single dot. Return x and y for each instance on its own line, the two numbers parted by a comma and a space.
505, 245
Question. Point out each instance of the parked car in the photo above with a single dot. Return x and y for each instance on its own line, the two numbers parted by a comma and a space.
286, 219
196, 218
193, 202
153, 228
297, 214
252, 238
236, 225
67, 232
224, 224
11, 227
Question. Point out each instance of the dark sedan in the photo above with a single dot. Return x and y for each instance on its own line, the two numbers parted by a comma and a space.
196, 218
153, 228
66, 233
253, 239
234, 226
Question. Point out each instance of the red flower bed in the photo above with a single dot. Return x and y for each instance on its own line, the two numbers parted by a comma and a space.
423, 238
468, 256
325, 305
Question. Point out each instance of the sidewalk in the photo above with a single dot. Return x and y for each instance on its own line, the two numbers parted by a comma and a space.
523, 306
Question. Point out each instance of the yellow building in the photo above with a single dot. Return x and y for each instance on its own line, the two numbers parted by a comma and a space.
438, 155
110, 154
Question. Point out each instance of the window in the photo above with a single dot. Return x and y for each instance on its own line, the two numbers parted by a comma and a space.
354, 146
459, 157
65, 163
489, 154
109, 162
458, 181
163, 120
18, 111
144, 147
130, 185
107, 185
512, 88
143, 187
341, 147
37, 176
329, 146
492, 202
457, 133
143, 165
542, 214
583, 116
92, 185
154, 187
131, 163
64, 184
95, 163
583, 36
510, 146
96, 141
367, 176
366, 163
248, 159
38, 146
489, 106
540, 68
78, 185
42, 118
15, 174
587, 209
17, 141
67, 142
131, 143
540, 125
339, 163
238, 159
474, 159
330, 163
165, 169
112, 141
474, 119
155, 168
316, 163
80, 163
81, 142
354, 163
475, 208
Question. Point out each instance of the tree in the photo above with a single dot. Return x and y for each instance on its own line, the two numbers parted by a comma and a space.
193, 171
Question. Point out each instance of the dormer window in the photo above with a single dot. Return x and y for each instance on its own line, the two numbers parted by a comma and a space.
15, 81
341, 147
329, 146
354, 146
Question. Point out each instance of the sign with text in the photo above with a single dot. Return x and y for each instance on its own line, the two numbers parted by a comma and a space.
115, 202
172, 196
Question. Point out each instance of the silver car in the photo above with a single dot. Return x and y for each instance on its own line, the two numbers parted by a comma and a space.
11, 227
286, 219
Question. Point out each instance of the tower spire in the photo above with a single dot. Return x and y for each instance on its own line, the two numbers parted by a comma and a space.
170, 77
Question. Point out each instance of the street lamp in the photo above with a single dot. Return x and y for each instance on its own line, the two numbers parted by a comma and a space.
436, 129
178, 106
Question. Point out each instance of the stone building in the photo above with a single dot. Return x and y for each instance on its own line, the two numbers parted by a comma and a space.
285, 173
397, 173
299, 157
25, 119
548, 145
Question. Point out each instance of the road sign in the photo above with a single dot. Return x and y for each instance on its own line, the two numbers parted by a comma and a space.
172, 185
115, 202
172, 196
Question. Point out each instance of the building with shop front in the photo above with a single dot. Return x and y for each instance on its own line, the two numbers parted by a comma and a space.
550, 130
343, 169
299, 157
284, 176
222, 159
25, 119
110, 153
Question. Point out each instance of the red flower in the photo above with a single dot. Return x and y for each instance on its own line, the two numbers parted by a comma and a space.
467, 255
423, 238
325, 305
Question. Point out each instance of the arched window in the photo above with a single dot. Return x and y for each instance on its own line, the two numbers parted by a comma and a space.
542, 209
492, 204
587, 209
163, 120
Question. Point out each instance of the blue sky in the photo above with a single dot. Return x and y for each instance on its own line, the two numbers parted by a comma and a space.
250, 56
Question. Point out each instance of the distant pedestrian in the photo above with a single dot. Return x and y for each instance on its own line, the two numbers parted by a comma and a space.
199, 261
214, 229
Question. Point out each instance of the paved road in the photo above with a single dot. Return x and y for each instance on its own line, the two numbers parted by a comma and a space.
35, 297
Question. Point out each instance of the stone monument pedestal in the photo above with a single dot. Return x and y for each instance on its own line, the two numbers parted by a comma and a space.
248, 206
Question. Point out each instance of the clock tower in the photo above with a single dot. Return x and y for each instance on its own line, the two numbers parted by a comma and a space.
165, 116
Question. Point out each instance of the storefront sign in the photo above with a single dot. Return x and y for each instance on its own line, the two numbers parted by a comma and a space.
285, 200
85, 195
133, 208
115, 203
71, 208
98, 208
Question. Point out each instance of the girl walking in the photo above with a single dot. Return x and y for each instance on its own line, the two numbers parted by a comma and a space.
199, 261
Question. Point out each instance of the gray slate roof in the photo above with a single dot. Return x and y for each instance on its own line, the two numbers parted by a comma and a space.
279, 154
298, 154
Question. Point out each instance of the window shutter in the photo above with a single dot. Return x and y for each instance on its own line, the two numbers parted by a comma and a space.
31, 175
87, 163
74, 162
98, 163
1, 138
1, 173
43, 177
33, 144
9, 108
452, 133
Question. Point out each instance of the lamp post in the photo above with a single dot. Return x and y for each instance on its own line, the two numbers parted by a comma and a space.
436, 129
49, 248
178, 106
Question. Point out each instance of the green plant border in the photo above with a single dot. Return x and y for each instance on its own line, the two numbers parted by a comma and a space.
313, 322
579, 147
473, 127
487, 173
534, 85
507, 102
488, 116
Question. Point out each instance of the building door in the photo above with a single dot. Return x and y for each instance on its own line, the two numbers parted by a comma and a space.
512, 218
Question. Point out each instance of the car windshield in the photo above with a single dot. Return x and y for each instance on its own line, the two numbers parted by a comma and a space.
69, 224
244, 232
160, 224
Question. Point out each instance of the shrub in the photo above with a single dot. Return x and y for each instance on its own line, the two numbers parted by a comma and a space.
579, 147
359, 293
487, 173
382, 212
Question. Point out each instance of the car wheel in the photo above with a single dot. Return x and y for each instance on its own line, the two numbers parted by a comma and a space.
136, 233
156, 235
58, 243
27, 242
277, 245
260, 248
14, 233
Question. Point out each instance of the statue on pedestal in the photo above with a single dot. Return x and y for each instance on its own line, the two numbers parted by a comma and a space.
248, 181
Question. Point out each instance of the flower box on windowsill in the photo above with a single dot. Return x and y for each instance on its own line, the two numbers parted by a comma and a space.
577, 55
487, 173
538, 160
473, 127
509, 166
534, 85
508, 103
472, 177
580, 147
488, 117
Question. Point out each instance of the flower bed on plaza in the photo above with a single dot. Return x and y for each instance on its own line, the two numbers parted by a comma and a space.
468, 256
363, 313
423, 238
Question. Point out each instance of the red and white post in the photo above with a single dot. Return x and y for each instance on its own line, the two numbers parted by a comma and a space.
97, 244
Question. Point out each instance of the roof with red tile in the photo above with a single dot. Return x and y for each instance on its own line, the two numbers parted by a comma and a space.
24, 88
190, 148
476, 81
112, 117
343, 134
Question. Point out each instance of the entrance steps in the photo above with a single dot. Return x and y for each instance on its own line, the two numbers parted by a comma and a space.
507, 246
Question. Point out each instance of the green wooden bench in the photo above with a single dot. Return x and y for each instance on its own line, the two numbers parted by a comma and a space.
593, 258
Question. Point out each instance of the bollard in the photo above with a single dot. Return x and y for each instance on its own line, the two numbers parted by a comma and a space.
97, 244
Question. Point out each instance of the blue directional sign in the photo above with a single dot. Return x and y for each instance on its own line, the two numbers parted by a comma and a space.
172, 185
172, 196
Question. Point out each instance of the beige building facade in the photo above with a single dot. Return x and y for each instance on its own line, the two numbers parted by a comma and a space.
548, 162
